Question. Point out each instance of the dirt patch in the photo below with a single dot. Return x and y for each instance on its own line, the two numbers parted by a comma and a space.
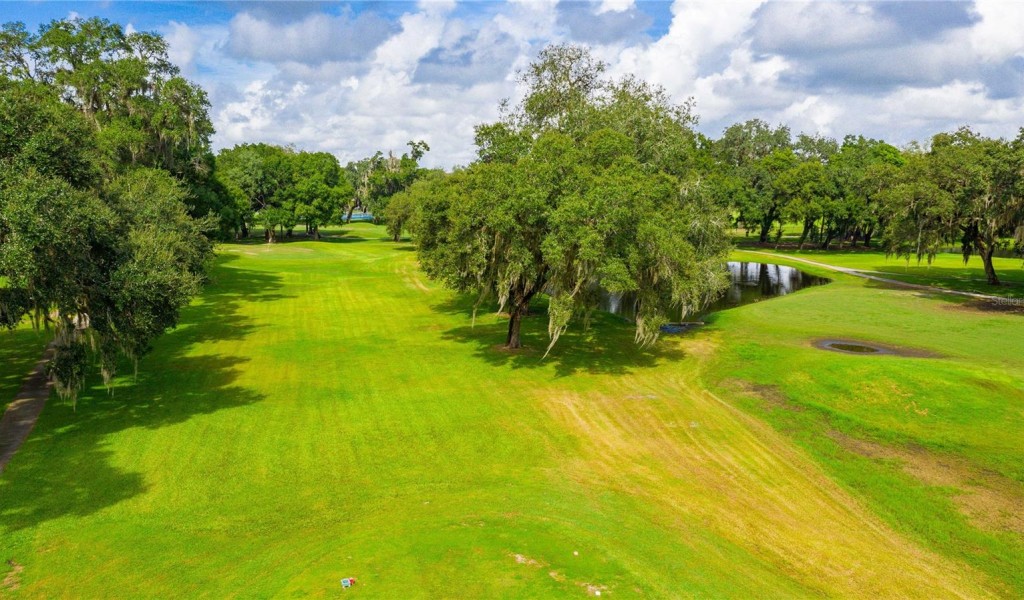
592, 588
771, 395
526, 560
989, 500
1011, 306
861, 347
506, 350
13, 579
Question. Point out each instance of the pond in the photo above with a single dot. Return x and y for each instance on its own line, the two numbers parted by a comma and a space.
749, 282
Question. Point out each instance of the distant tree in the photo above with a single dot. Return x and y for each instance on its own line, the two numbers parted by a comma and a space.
575, 190
258, 179
404, 207
862, 169
358, 175
984, 179
967, 189
810, 189
918, 212
390, 175
319, 190
753, 156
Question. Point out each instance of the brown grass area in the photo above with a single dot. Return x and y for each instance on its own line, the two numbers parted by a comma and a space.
771, 395
1011, 307
991, 501
12, 581
707, 464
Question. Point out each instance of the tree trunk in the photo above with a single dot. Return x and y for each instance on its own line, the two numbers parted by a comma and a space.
245, 230
808, 225
766, 228
520, 308
990, 271
515, 322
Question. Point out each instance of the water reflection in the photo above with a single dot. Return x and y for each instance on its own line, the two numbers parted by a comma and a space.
749, 282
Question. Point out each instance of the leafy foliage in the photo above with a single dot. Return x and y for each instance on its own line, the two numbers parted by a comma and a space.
102, 148
967, 188
276, 188
586, 185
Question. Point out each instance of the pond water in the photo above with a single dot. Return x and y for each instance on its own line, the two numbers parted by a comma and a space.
749, 282
850, 347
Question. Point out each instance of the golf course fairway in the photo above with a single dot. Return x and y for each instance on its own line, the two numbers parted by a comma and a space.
325, 411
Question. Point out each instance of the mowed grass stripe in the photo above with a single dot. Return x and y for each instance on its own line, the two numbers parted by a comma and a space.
325, 411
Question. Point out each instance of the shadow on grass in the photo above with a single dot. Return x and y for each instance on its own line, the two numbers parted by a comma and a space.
1008, 290
333, 236
342, 238
65, 468
20, 349
608, 347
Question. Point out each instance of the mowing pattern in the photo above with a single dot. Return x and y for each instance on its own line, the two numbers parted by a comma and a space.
324, 412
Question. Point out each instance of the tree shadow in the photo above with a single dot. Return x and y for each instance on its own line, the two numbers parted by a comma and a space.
607, 347
65, 468
20, 349
343, 237
1009, 290
334, 236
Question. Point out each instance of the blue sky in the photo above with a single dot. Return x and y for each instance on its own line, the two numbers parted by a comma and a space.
351, 78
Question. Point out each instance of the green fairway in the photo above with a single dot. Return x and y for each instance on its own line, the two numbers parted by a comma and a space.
325, 411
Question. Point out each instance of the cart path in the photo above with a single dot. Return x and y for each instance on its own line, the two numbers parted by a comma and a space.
868, 275
22, 414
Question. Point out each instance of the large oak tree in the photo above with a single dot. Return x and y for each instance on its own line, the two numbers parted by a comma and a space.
585, 185
108, 262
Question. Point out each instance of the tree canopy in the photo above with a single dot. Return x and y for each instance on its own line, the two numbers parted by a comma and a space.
586, 185
966, 188
103, 149
277, 188
378, 178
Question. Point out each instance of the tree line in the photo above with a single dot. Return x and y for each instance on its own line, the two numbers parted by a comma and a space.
961, 189
275, 188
